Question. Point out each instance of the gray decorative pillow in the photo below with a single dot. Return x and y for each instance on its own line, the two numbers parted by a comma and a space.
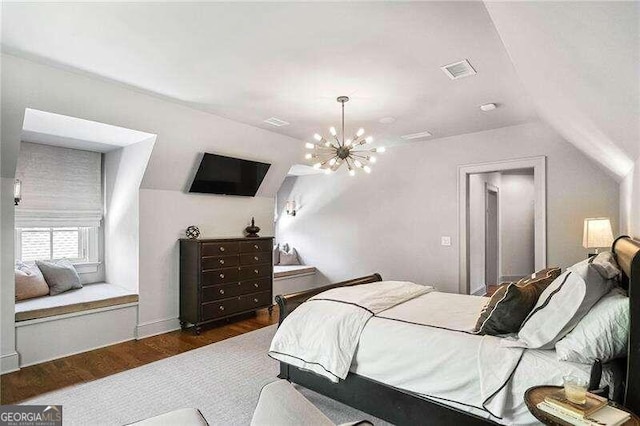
289, 257
606, 265
510, 304
60, 275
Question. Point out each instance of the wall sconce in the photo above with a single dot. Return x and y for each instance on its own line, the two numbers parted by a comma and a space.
291, 208
17, 192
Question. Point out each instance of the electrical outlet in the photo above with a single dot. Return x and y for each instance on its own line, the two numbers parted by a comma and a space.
445, 241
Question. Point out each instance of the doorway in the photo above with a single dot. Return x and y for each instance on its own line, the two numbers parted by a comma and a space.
502, 212
492, 235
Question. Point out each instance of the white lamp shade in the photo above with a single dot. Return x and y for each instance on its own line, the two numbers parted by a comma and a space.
597, 232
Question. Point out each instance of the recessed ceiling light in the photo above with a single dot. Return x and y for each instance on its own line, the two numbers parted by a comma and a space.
488, 107
276, 122
458, 70
387, 120
416, 136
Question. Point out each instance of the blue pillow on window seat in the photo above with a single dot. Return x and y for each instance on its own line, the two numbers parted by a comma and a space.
60, 275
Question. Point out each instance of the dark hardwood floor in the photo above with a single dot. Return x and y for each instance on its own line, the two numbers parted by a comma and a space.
85, 367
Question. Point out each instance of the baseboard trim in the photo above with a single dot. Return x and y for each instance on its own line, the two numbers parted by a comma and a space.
9, 363
153, 328
80, 351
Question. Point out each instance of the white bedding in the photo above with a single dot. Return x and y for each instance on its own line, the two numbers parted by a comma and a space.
454, 367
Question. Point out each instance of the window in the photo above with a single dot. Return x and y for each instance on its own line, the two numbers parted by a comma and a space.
78, 244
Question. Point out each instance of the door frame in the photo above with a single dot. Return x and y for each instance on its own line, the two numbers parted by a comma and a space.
492, 188
539, 166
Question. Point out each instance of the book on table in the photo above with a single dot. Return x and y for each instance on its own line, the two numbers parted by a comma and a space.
605, 416
592, 404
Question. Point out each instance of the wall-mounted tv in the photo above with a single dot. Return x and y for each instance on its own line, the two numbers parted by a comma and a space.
218, 174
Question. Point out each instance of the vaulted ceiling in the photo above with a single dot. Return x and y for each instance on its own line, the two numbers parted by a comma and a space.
576, 64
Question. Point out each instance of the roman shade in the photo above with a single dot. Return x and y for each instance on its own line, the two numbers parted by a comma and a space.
60, 187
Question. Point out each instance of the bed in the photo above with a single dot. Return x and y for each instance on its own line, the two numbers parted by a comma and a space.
379, 381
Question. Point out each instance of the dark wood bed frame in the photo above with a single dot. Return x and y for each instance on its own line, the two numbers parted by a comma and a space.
403, 407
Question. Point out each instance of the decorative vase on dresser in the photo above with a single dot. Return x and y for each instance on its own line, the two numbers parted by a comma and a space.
221, 278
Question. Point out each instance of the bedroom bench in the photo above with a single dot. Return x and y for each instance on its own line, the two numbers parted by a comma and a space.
293, 278
89, 297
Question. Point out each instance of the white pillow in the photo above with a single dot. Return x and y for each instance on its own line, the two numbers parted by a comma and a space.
603, 333
562, 305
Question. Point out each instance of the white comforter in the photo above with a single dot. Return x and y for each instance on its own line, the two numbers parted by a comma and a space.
322, 334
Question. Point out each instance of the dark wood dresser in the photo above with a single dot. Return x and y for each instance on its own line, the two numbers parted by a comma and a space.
220, 278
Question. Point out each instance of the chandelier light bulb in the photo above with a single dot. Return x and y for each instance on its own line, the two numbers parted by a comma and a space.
367, 169
308, 156
360, 132
309, 145
327, 171
373, 159
332, 130
317, 137
332, 161
369, 139
327, 144
317, 166
357, 163
352, 172
380, 149
347, 142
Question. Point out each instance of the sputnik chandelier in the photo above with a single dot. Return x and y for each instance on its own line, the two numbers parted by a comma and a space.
330, 154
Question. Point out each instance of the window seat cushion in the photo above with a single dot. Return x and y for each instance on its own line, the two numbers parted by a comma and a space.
91, 296
283, 271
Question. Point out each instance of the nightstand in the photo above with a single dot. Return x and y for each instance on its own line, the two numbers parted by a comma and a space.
535, 395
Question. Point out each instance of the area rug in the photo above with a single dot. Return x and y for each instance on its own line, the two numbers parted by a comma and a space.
223, 380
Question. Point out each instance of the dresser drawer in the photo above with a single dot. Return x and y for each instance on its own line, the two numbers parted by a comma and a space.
256, 258
220, 249
223, 291
255, 246
254, 301
220, 308
255, 271
219, 276
219, 262
254, 286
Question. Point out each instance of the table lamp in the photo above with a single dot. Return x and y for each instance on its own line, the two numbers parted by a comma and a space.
597, 234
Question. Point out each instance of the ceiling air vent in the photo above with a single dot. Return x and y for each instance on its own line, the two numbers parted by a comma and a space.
458, 70
276, 122
416, 136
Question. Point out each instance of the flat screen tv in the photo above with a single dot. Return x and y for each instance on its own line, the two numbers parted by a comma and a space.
218, 174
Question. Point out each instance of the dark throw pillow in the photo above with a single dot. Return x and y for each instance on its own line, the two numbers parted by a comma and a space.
510, 304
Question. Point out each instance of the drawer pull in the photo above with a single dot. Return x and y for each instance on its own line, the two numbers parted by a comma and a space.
221, 275
255, 246
221, 291
221, 248
221, 308
256, 285
255, 300
222, 261
256, 258
256, 271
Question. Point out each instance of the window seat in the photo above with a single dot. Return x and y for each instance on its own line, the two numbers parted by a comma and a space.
285, 271
91, 296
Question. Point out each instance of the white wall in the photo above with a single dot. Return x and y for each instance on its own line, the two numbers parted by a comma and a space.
630, 202
123, 171
477, 238
182, 135
517, 214
391, 220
